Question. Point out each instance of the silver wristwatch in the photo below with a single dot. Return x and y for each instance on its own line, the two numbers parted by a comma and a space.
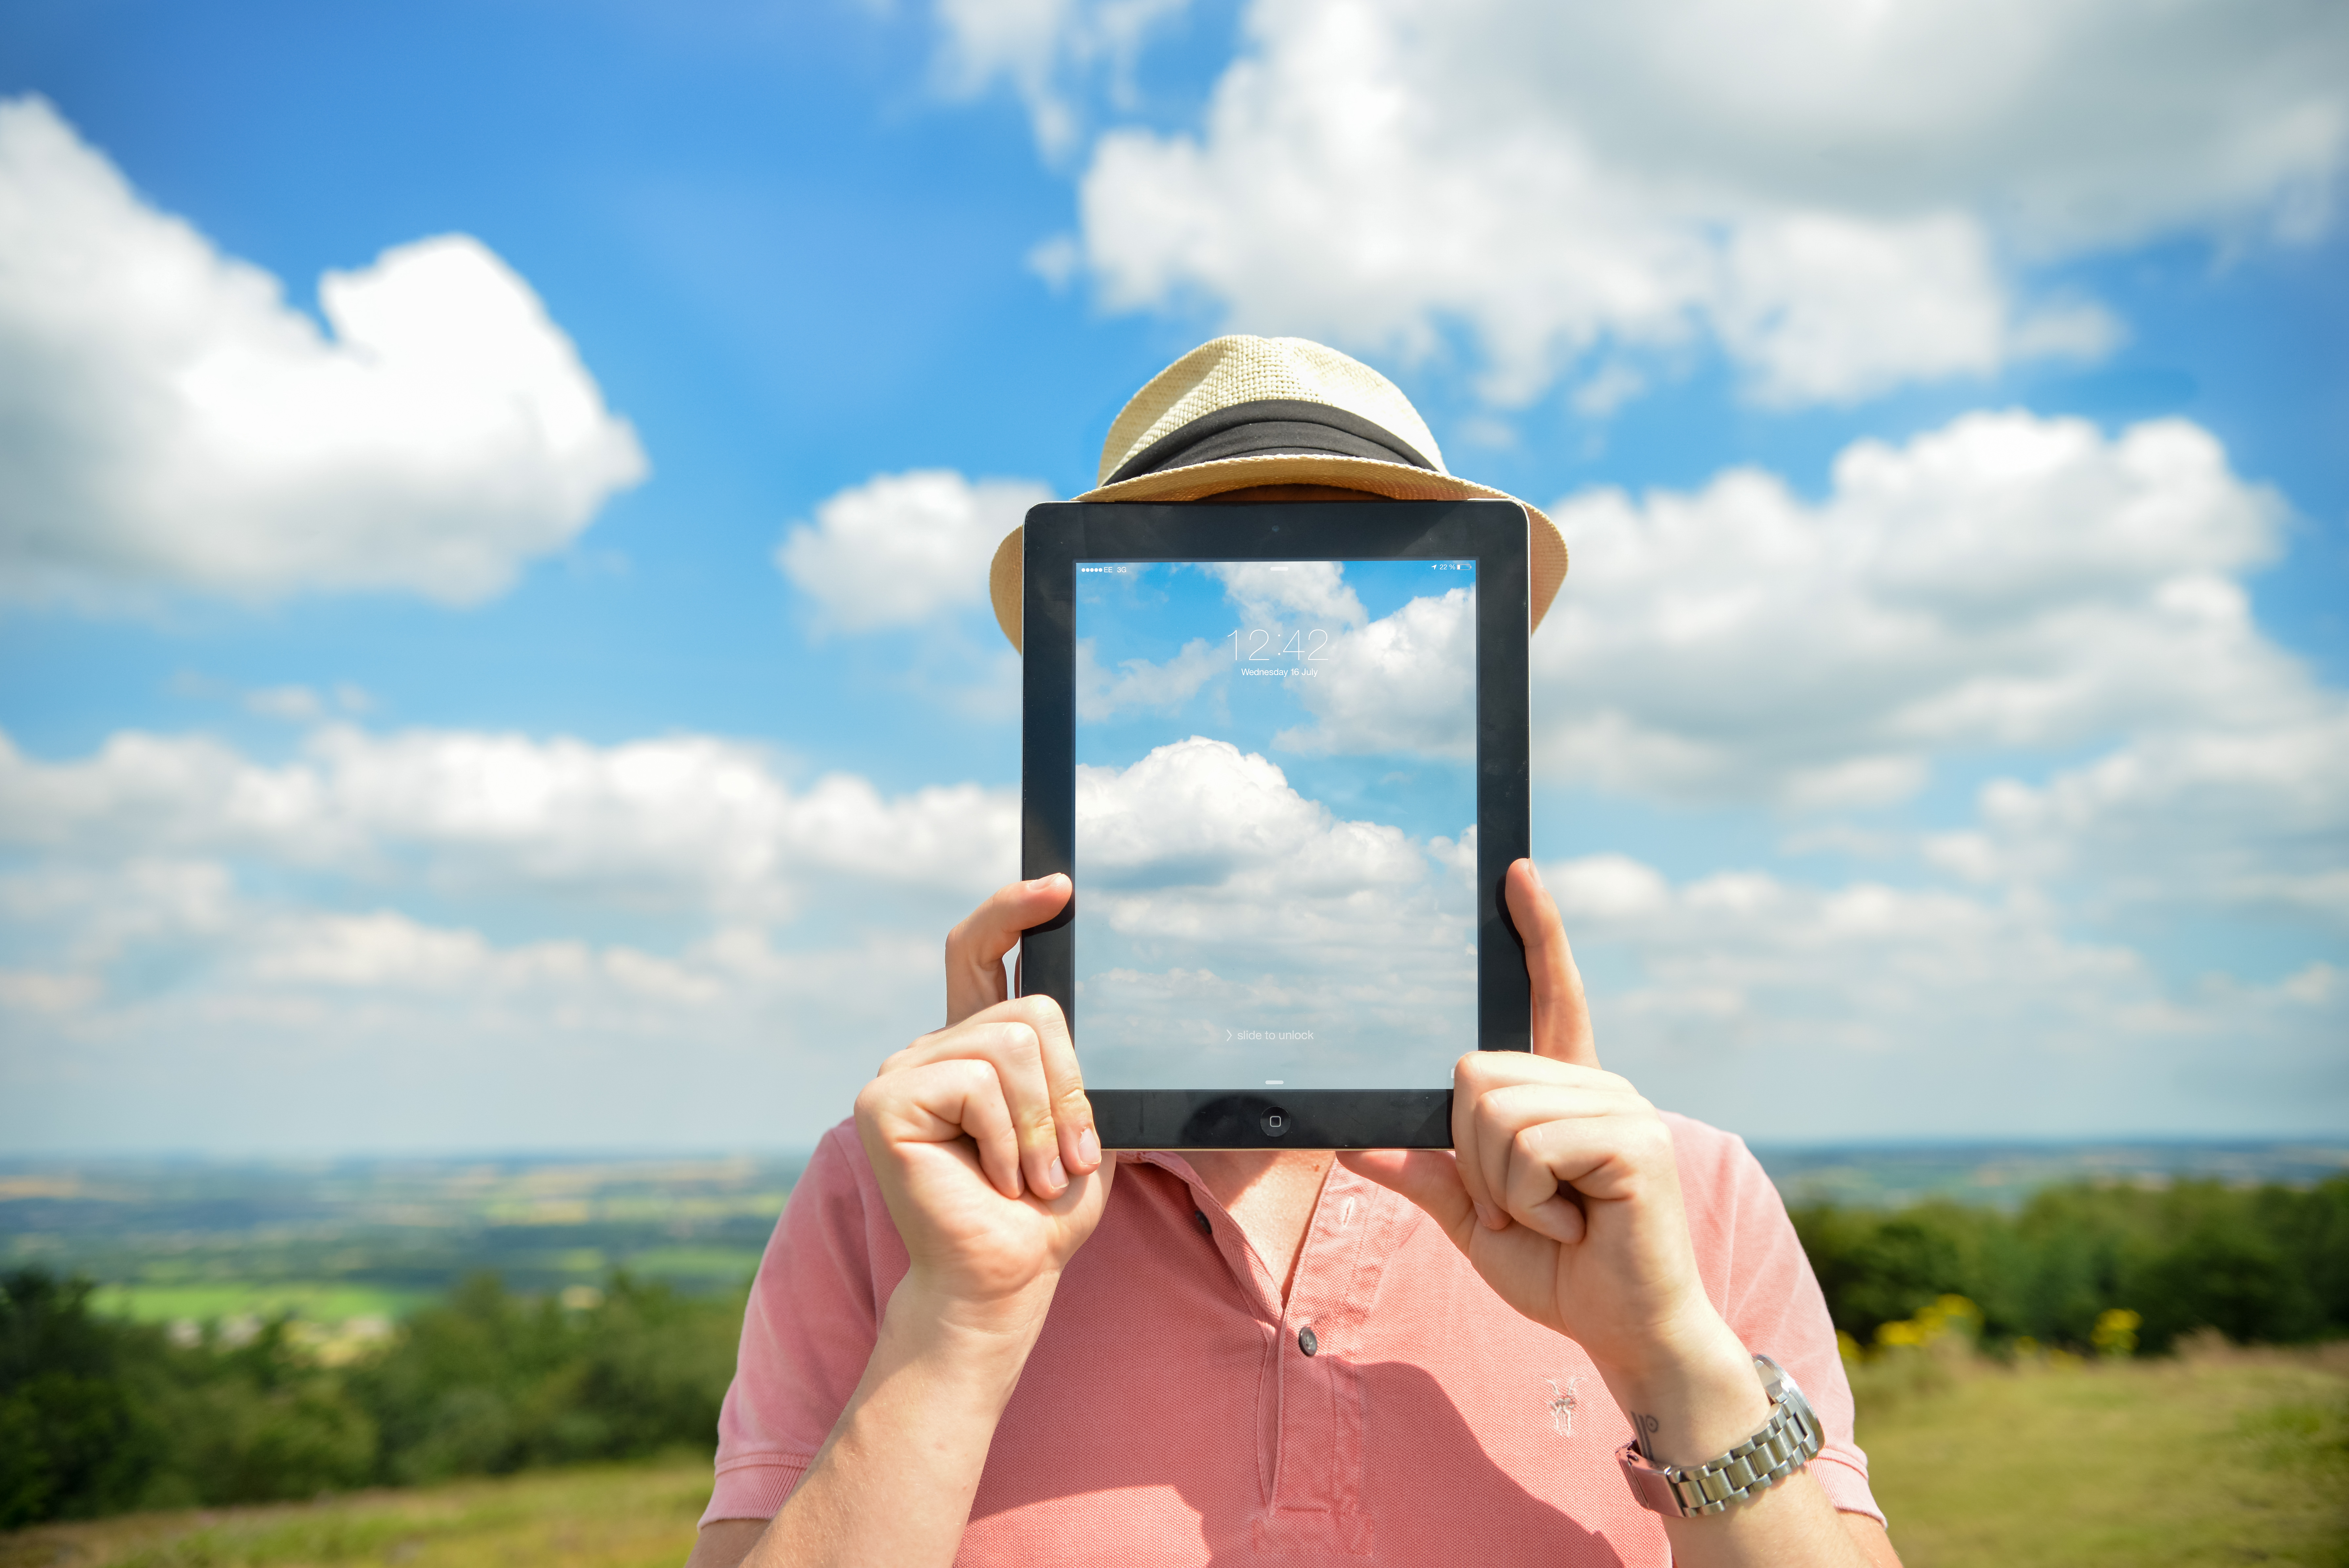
1780, 1448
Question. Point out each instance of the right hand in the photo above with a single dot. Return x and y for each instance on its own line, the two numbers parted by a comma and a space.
981, 1135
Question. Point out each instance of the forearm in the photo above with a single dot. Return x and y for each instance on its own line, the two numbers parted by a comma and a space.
894, 1482
1699, 1399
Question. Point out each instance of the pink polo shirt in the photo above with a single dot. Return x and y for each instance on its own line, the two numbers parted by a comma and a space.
1432, 1423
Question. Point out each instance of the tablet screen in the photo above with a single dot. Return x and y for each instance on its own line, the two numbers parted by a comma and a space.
1275, 846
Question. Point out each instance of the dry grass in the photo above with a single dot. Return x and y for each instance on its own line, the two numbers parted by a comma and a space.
601, 1517
2216, 1456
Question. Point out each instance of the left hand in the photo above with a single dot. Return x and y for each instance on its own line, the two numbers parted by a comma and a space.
1561, 1188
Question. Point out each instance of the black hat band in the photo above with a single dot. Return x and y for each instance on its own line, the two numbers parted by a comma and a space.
1288, 426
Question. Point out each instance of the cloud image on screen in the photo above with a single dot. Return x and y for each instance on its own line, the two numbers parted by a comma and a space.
1275, 806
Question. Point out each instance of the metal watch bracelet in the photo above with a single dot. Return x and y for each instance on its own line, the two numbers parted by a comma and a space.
1780, 1448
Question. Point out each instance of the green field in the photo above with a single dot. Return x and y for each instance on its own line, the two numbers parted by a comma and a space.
336, 1301
313, 1301
2219, 1457
195, 1242
725, 1266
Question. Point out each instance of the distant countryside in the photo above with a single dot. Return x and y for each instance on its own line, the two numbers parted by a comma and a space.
353, 1246
2118, 1354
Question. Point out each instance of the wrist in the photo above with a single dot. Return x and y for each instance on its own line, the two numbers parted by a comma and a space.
936, 1355
1693, 1395
902, 1463
929, 1320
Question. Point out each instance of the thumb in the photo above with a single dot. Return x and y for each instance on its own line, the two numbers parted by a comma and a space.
1561, 1014
1430, 1178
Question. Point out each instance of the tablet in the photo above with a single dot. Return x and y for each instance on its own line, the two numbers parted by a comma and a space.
1280, 750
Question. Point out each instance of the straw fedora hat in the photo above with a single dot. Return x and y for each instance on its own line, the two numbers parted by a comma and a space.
1243, 412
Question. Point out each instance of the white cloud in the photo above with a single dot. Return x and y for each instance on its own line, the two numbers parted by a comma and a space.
2004, 582
320, 955
1203, 845
167, 421
1778, 1009
688, 823
900, 547
2009, 588
297, 1030
2251, 818
1380, 1024
268, 939
1405, 682
1201, 814
305, 704
1400, 683
1214, 897
294, 704
1284, 593
261, 938
1035, 46
1139, 683
34, 992
1838, 195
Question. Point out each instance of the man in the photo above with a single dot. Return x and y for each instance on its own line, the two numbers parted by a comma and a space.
975, 1339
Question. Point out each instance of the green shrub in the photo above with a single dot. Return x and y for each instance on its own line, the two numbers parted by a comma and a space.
490, 1382
74, 1440
97, 1414
2267, 1265
2238, 1282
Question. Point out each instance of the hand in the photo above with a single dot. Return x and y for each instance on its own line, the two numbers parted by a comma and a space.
984, 1144
982, 1137
1562, 1189
975, 949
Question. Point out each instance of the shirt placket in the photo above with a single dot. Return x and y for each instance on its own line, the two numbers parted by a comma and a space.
1312, 1412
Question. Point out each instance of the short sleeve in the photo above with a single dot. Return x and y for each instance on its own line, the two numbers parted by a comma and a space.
1761, 1282
808, 1329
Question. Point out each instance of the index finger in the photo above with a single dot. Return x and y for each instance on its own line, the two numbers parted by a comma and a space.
1054, 1113
1561, 1012
975, 949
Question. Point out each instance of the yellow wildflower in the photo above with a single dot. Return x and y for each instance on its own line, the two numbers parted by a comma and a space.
2115, 1334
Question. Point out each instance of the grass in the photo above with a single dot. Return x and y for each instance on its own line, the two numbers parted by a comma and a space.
2218, 1457
598, 1517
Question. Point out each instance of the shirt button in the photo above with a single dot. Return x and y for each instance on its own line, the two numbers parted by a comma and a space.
1201, 1216
1305, 1341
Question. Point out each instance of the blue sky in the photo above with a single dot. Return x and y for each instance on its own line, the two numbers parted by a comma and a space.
1139, 620
553, 703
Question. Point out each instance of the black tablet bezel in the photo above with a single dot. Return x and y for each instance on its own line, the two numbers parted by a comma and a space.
1492, 533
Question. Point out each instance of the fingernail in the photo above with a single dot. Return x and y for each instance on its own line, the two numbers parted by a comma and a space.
1535, 871
1059, 1173
1484, 1215
1089, 1147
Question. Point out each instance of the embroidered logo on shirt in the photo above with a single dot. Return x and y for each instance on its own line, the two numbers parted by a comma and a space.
1562, 1404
